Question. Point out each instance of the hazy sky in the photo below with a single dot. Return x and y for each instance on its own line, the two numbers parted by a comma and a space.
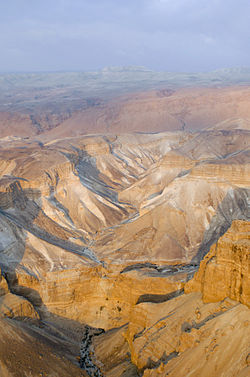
169, 35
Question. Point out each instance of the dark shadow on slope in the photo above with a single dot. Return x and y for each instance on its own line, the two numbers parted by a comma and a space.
29, 294
89, 175
151, 364
95, 181
187, 327
56, 331
35, 348
20, 209
13, 235
157, 299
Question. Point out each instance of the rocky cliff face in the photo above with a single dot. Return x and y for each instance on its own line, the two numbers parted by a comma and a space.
225, 270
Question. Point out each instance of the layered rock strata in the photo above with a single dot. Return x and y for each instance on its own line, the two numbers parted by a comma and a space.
225, 270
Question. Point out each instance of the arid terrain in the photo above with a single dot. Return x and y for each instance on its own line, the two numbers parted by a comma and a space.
125, 228
120, 99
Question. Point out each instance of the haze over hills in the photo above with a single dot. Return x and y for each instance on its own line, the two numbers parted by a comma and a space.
25, 91
90, 102
124, 223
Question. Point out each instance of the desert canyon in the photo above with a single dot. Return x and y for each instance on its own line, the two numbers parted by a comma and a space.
125, 226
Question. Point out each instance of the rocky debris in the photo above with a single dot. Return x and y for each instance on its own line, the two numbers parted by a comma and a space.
139, 266
151, 269
86, 360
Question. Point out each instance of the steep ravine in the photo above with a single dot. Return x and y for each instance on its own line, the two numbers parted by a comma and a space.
86, 361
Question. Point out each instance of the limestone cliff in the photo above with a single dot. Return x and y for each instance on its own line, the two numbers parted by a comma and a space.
225, 270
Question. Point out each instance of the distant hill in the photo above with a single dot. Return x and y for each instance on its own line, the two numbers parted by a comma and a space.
33, 103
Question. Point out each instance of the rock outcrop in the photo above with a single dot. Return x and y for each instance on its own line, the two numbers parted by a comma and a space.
225, 270
13, 306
